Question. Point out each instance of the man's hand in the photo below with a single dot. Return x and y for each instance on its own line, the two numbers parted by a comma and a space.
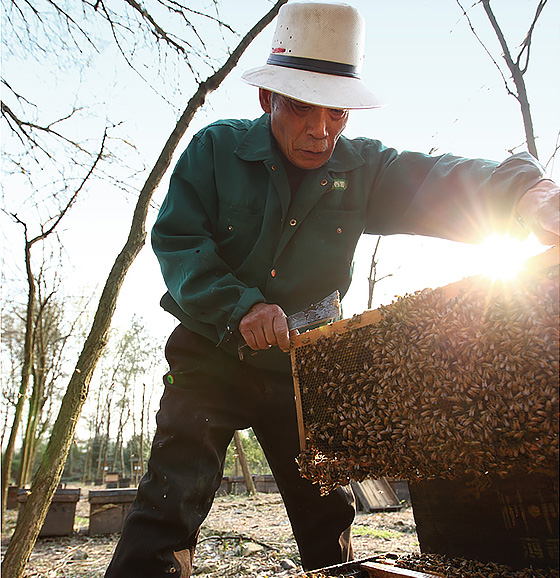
539, 207
264, 326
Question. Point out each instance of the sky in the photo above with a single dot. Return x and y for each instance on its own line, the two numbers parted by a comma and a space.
443, 93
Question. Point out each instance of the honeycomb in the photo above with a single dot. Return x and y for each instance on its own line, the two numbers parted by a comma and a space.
437, 387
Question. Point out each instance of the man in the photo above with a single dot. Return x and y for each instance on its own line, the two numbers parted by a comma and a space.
261, 219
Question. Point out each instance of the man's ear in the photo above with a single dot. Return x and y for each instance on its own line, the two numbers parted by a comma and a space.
265, 100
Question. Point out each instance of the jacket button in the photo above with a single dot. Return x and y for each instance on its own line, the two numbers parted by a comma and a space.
273, 167
230, 228
273, 273
324, 182
293, 222
339, 230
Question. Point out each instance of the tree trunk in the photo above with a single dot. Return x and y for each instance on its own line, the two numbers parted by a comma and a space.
142, 419
30, 439
48, 476
372, 279
243, 462
99, 464
117, 454
25, 375
26, 466
517, 75
372, 274
104, 459
85, 471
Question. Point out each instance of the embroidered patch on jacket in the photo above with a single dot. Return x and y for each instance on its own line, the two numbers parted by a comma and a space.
341, 184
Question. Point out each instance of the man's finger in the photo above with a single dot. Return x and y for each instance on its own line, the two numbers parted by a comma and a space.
281, 332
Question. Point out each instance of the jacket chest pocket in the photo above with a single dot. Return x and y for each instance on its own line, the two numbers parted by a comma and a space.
319, 257
238, 230
335, 232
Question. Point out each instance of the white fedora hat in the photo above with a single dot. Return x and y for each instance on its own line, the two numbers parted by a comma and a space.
316, 56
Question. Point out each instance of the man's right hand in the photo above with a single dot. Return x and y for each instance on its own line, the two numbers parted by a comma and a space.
265, 326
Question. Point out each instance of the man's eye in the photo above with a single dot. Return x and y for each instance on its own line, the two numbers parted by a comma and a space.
337, 113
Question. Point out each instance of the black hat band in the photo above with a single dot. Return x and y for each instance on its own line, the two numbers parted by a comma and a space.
313, 65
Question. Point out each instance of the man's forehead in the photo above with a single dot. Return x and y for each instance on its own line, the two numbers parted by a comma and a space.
302, 102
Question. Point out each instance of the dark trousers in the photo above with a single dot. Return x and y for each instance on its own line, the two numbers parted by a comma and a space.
211, 396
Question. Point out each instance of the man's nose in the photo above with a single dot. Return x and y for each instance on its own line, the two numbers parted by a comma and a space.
318, 122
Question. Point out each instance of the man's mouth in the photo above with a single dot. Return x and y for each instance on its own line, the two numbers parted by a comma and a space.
313, 153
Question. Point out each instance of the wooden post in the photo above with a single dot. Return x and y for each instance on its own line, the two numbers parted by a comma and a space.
244, 467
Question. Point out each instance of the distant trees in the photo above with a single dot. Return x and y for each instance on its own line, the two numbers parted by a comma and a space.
120, 427
253, 453
120, 424
41, 341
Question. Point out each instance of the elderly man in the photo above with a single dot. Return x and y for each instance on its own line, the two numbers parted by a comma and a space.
261, 219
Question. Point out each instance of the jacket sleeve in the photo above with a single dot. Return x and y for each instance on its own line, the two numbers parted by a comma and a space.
451, 197
206, 295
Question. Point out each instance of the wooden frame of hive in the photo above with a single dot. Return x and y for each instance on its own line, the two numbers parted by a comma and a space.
549, 258
371, 567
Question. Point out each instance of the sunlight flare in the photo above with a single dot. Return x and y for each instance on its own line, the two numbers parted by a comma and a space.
502, 257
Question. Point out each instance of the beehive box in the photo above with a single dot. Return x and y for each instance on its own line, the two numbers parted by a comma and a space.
12, 503
509, 520
455, 383
108, 509
61, 513
112, 480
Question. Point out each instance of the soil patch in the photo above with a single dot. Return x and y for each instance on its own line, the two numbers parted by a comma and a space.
243, 536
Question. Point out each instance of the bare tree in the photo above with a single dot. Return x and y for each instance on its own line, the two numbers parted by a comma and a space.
27, 363
516, 65
51, 336
48, 476
372, 279
138, 359
12, 338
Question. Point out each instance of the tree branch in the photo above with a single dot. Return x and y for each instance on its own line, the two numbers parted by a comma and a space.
157, 30
85, 179
517, 76
24, 125
515, 70
526, 44
508, 90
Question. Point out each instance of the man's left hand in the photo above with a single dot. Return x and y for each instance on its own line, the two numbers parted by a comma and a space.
539, 208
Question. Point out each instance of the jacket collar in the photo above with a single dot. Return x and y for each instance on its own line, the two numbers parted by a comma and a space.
258, 145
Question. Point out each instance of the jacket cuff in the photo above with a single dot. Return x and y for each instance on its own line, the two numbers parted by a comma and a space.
249, 297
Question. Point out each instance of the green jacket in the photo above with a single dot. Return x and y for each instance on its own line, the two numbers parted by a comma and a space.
228, 234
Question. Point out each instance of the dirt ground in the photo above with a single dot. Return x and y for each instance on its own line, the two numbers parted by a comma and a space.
243, 536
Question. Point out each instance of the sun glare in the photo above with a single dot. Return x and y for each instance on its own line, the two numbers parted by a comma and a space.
502, 257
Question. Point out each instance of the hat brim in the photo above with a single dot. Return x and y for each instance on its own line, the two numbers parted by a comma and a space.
315, 88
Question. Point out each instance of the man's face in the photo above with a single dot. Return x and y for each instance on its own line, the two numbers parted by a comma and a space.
305, 133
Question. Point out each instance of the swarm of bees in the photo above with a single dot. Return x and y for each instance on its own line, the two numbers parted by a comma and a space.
437, 565
437, 388
440, 565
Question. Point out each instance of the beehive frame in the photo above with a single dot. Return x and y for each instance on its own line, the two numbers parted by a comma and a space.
320, 342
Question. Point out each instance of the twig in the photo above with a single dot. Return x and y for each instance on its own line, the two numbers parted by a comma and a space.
241, 538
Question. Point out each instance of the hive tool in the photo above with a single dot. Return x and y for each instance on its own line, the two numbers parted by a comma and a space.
323, 311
